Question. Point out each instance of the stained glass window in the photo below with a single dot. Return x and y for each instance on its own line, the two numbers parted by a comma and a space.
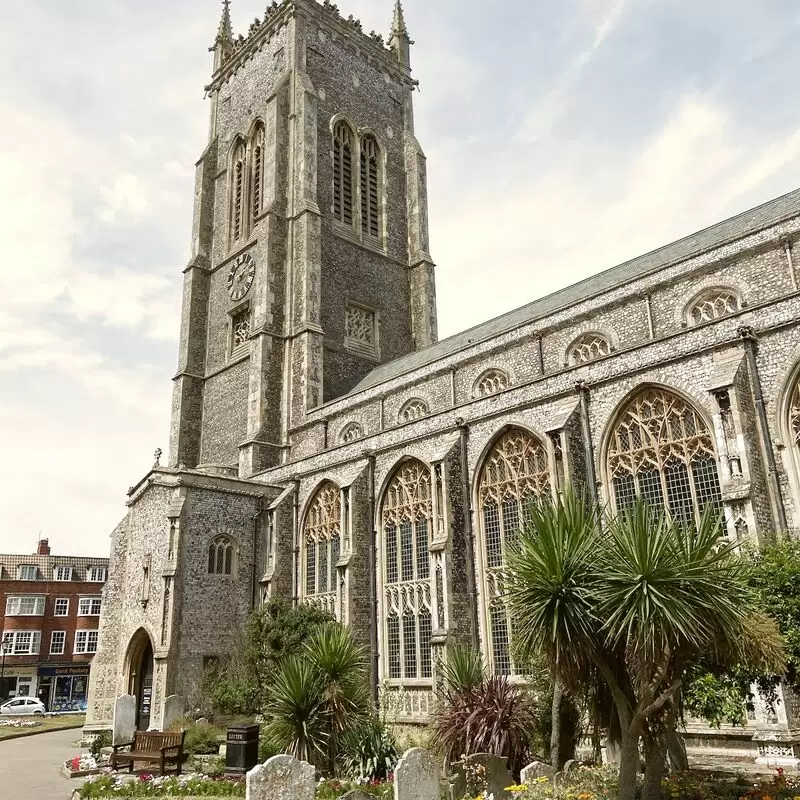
322, 543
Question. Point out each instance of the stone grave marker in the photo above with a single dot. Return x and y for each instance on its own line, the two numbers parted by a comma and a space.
416, 776
356, 794
281, 778
534, 770
495, 775
124, 719
174, 708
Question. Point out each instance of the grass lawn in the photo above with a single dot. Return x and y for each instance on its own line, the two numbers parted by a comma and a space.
46, 724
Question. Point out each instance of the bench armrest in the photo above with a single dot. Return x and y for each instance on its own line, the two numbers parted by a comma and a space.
167, 748
120, 745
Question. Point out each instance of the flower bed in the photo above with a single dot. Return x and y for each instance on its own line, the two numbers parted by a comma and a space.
19, 723
147, 785
332, 788
80, 766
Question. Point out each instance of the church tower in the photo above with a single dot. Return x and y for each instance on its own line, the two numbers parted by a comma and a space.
310, 260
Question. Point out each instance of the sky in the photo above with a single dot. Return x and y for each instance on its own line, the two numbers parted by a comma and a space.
562, 138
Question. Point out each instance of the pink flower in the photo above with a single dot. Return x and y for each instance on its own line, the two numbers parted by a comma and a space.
145, 776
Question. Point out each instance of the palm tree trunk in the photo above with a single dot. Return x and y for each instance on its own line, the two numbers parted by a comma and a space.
677, 751
654, 762
555, 730
628, 764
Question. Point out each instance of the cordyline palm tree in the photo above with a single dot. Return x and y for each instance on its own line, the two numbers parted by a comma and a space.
317, 695
633, 601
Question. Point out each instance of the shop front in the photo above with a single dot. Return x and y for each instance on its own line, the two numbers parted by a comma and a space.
64, 688
17, 682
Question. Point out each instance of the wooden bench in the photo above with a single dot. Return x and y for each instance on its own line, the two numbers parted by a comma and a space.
151, 747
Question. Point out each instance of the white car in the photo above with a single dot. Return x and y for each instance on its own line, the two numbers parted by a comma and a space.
23, 705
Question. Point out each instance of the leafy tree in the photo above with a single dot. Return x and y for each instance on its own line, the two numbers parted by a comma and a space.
633, 601
239, 683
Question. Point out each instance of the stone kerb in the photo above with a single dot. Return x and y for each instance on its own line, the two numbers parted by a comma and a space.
416, 776
124, 719
281, 778
482, 768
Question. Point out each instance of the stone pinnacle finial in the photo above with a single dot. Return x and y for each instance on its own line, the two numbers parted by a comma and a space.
225, 31
399, 22
400, 41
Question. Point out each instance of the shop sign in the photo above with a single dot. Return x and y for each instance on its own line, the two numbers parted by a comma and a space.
44, 671
19, 672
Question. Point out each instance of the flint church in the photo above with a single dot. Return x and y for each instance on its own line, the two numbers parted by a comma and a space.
327, 448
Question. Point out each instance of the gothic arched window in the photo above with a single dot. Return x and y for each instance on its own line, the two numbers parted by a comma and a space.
413, 409
257, 172
712, 304
587, 348
794, 414
237, 193
220, 556
491, 382
322, 543
515, 474
370, 205
406, 525
662, 451
343, 147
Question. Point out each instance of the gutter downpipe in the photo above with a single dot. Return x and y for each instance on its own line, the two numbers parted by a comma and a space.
749, 342
296, 545
373, 582
588, 447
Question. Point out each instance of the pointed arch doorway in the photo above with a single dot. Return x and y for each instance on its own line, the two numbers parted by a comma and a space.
140, 677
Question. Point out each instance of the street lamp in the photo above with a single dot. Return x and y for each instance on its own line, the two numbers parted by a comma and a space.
5, 646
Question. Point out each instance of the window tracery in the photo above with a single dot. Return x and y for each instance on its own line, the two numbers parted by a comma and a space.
588, 347
413, 409
370, 210
515, 474
491, 382
351, 433
407, 521
343, 146
713, 305
322, 541
240, 331
662, 451
794, 413
220, 556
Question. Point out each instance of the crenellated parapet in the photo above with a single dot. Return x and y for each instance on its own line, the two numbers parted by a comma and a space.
232, 52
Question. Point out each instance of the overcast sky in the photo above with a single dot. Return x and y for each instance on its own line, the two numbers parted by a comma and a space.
562, 138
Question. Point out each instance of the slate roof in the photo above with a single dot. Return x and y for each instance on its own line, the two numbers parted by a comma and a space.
749, 222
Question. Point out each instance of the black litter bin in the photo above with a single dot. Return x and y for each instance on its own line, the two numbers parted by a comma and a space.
241, 751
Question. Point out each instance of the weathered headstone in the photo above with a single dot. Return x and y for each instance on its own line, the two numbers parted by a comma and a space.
124, 719
416, 776
536, 770
479, 772
281, 778
201, 721
570, 766
357, 794
174, 708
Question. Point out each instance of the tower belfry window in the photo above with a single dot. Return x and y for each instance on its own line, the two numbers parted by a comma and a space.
237, 191
257, 173
343, 173
370, 212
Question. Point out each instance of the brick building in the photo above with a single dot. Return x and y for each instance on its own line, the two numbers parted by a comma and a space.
326, 448
51, 612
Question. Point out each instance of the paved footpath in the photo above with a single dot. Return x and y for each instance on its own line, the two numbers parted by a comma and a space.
30, 767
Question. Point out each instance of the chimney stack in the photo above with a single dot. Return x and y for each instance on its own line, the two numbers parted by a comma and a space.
43, 548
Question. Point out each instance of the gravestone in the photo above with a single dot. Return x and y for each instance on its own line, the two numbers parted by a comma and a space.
489, 773
357, 794
174, 708
124, 719
416, 776
570, 767
281, 778
536, 770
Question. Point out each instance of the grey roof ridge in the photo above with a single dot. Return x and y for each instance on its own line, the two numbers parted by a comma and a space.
594, 286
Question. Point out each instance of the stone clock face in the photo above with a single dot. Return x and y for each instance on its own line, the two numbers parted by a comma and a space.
241, 276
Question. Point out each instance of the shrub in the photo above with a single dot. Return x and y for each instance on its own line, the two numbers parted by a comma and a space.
201, 740
103, 739
170, 786
370, 751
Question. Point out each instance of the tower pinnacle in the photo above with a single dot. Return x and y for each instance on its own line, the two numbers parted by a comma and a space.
400, 41
223, 44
